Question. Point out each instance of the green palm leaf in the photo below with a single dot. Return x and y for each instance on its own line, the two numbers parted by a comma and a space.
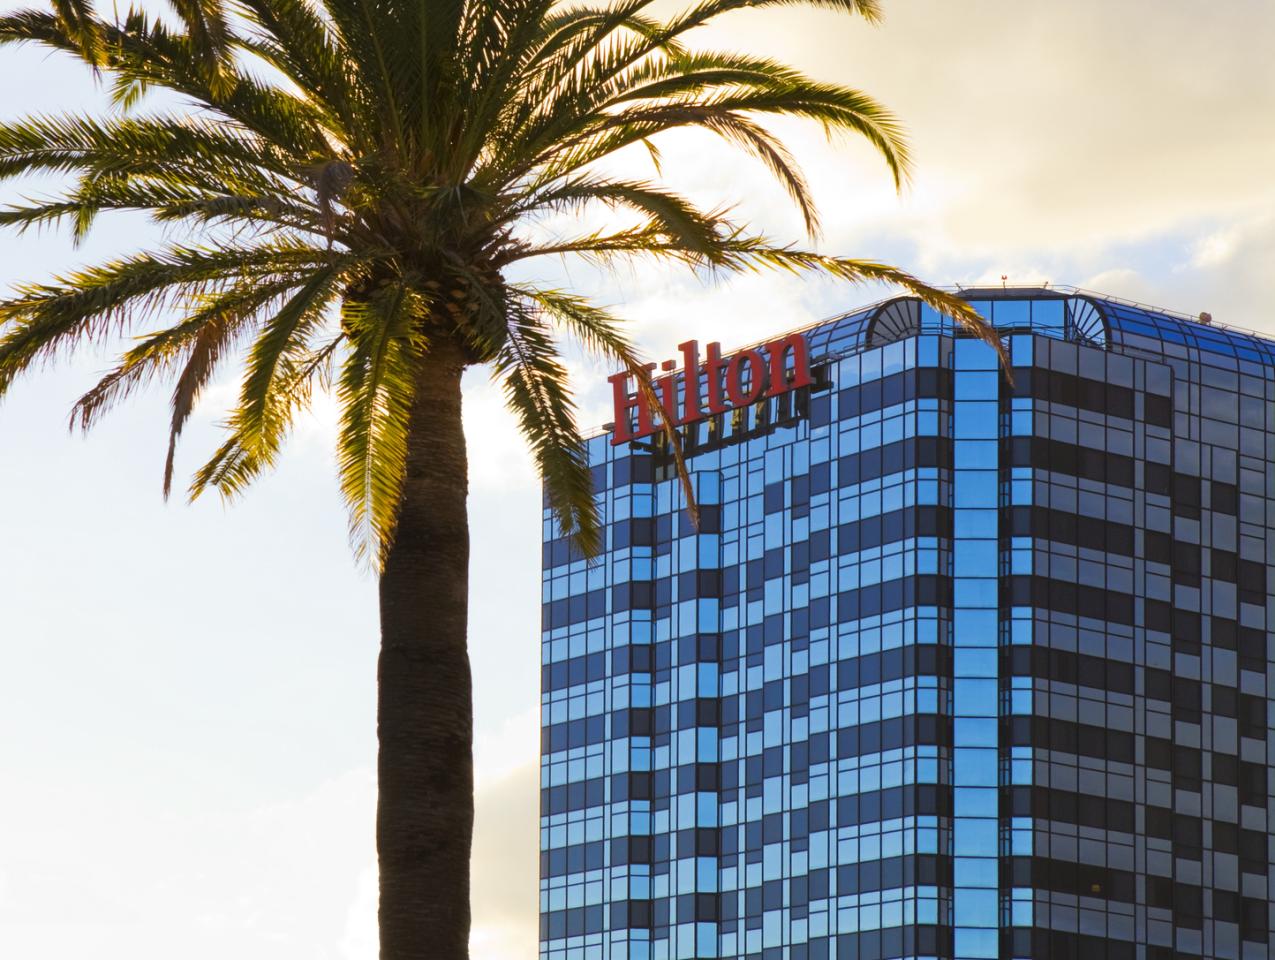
377, 383
236, 464
535, 384
160, 353
283, 342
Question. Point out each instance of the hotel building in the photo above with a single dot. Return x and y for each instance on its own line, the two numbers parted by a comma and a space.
957, 664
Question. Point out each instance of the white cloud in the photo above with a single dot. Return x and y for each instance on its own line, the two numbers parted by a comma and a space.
1226, 273
1059, 126
498, 456
1122, 282
508, 749
506, 866
1215, 248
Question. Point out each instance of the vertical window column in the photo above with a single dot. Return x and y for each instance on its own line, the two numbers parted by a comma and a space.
630, 815
1017, 630
975, 546
698, 692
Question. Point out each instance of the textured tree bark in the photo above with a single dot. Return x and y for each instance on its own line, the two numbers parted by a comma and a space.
425, 811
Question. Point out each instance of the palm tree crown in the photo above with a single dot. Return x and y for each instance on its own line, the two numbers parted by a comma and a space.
366, 168
358, 176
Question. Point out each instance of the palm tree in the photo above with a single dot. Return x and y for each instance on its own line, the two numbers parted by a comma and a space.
356, 176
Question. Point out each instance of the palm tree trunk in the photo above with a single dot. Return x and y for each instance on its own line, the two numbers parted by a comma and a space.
425, 814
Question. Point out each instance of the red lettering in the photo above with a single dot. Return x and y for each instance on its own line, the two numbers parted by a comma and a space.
779, 382
666, 390
713, 367
690, 369
741, 380
734, 377
625, 404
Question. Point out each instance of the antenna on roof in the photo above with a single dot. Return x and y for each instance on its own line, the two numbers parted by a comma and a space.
1004, 277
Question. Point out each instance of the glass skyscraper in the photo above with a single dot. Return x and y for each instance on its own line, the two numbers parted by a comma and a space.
957, 665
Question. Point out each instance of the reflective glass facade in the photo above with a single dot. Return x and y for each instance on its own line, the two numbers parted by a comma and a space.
954, 666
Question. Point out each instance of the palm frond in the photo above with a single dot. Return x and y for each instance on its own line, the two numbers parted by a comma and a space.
76, 19
737, 253
161, 352
90, 304
142, 51
209, 33
283, 341
167, 150
534, 381
675, 216
754, 253
167, 203
294, 38
591, 66
206, 350
196, 345
599, 331
236, 464
603, 247
384, 44
376, 387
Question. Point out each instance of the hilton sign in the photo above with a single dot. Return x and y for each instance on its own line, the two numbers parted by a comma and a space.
718, 386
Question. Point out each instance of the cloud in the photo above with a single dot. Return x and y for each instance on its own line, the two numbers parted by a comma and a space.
1063, 127
1229, 274
506, 866
1058, 125
498, 456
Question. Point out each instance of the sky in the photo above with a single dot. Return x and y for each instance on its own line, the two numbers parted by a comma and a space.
187, 692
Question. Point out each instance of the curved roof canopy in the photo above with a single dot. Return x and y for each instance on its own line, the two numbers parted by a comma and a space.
1061, 312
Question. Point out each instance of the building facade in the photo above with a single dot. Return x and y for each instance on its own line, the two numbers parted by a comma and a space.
956, 665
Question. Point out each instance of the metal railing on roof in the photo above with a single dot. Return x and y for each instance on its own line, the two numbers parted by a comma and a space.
1072, 291
1059, 288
